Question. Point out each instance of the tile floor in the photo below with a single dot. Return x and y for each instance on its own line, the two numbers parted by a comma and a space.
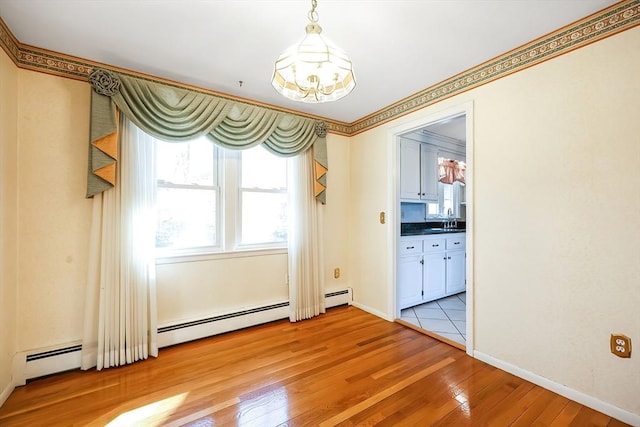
446, 317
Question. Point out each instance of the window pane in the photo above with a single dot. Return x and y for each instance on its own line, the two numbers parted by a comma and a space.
186, 218
264, 217
187, 163
262, 169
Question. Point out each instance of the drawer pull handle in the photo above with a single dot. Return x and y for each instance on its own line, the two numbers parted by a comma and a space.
456, 243
411, 247
435, 245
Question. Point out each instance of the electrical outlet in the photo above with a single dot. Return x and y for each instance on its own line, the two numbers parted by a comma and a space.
336, 273
621, 345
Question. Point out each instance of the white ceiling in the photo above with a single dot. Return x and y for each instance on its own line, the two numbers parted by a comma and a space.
398, 47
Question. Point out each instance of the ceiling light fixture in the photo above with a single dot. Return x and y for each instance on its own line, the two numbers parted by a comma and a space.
314, 70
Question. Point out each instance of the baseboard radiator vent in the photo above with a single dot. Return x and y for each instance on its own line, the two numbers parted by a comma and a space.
202, 328
34, 365
59, 359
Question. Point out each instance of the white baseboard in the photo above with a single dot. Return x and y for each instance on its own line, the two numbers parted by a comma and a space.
569, 393
341, 297
34, 364
188, 331
6, 392
176, 333
373, 311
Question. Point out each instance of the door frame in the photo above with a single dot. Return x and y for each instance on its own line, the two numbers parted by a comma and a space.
394, 135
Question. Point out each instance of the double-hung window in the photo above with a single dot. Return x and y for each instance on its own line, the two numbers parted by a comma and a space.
188, 195
263, 198
211, 199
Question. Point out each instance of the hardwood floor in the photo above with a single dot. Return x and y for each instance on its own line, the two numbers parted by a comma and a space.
346, 368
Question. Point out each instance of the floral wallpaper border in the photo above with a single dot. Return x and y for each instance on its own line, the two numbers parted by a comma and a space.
617, 18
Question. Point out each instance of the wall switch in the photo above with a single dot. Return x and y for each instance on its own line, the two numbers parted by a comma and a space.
621, 345
336, 273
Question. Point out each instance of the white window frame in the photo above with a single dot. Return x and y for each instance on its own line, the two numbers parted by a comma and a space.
238, 218
228, 171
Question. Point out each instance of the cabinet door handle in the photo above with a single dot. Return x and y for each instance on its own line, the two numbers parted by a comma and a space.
411, 247
456, 243
449, 258
435, 245
422, 194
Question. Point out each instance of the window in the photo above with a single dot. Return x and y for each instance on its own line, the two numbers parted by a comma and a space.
263, 189
207, 192
188, 195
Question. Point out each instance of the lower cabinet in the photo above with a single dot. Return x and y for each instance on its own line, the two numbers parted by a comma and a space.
410, 276
434, 276
431, 267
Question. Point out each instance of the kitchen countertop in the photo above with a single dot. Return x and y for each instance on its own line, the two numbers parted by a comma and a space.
427, 231
427, 228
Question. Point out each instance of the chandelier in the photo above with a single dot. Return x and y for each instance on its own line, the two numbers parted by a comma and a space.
314, 70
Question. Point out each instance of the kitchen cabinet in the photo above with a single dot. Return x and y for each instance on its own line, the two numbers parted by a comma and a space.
434, 276
410, 272
456, 264
410, 276
418, 171
430, 267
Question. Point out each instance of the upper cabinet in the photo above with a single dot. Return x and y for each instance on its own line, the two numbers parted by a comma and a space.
418, 171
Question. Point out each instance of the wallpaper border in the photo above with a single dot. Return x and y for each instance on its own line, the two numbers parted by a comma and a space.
612, 20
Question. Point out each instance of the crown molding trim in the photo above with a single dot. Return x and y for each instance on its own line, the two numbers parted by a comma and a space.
610, 21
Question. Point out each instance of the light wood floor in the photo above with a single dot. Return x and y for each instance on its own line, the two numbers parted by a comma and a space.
346, 367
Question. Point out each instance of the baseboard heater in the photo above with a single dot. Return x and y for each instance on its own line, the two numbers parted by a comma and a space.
61, 359
201, 328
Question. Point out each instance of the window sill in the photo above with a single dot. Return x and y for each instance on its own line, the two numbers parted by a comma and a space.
212, 256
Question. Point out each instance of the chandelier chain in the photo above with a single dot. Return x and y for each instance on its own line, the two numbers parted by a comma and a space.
313, 15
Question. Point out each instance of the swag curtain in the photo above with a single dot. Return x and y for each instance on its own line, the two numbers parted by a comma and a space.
176, 114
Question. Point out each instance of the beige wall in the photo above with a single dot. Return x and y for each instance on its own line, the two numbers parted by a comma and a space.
54, 215
557, 185
8, 218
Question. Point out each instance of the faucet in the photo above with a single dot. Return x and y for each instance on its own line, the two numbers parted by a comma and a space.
450, 222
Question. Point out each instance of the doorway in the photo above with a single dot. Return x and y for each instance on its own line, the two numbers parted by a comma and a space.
433, 274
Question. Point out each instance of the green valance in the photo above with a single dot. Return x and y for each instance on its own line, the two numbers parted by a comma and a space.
176, 114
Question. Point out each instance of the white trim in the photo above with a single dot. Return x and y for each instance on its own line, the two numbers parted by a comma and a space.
373, 311
195, 257
218, 326
6, 392
190, 333
394, 134
25, 370
18, 367
340, 299
569, 393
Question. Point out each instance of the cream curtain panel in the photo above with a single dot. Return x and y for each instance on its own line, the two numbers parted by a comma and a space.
176, 114
306, 279
120, 310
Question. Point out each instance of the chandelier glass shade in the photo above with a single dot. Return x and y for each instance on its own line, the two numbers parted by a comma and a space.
314, 70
